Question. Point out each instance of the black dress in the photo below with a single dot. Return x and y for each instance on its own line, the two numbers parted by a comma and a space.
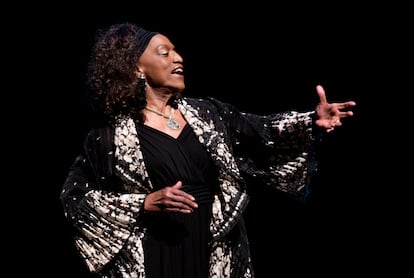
177, 245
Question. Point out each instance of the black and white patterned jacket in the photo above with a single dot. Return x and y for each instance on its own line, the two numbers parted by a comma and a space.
106, 186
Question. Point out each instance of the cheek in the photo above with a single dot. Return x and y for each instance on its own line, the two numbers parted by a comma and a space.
157, 78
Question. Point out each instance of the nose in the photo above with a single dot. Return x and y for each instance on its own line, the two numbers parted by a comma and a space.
178, 58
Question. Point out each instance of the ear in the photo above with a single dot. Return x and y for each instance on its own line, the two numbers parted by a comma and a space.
138, 73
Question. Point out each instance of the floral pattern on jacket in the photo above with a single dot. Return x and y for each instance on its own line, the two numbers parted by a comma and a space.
107, 184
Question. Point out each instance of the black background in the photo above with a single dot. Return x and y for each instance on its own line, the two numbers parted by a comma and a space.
262, 58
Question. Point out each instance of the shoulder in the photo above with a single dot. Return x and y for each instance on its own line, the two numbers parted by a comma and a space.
205, 104
100, 135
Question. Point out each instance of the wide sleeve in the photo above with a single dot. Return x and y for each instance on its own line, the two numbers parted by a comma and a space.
280, 149
101, 214
288, 156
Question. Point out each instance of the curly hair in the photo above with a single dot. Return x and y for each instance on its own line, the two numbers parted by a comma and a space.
111, 72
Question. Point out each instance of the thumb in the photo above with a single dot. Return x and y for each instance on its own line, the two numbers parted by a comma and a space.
321, 93
178, 185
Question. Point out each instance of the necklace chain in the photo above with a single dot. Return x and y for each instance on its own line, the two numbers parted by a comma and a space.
171, 123
159, 113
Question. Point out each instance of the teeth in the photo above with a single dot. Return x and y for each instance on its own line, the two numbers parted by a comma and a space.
178, 71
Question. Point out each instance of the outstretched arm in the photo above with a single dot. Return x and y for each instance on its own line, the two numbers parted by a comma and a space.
329, 115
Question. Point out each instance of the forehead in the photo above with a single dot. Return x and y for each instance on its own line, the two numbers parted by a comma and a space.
159, 40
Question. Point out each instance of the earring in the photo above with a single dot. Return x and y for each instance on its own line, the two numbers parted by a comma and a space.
141, 82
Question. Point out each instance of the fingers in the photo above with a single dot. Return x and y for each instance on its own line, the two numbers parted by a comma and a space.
179, 192
342, 111
330, 114
178, 185
323, 100
170, 199
181, 200
350, 103
345, 105
346, 114
321, 93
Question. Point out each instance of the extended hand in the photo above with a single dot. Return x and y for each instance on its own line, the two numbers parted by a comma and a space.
329, 115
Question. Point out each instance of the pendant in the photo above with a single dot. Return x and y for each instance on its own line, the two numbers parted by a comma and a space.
171, 123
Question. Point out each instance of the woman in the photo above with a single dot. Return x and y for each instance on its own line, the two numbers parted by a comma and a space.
160, 188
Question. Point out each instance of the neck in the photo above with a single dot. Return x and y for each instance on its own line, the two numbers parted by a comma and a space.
171, 123
160, 113
157, 99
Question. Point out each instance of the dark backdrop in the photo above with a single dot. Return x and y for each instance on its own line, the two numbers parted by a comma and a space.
262, 59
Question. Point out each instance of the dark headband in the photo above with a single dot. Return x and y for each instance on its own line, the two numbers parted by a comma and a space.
144, 37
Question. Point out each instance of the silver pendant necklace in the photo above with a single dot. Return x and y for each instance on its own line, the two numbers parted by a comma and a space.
171, 123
